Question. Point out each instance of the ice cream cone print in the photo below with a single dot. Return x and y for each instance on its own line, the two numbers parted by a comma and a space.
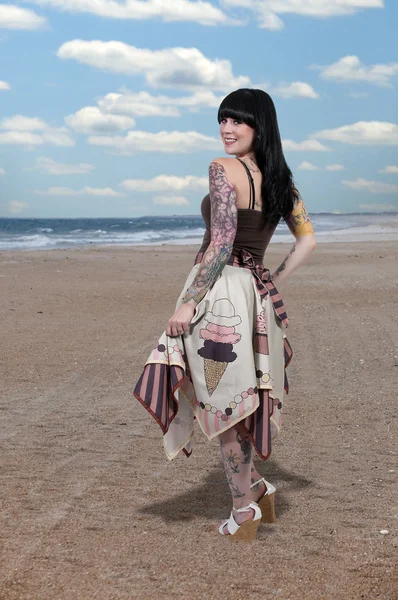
219, 335
214, 370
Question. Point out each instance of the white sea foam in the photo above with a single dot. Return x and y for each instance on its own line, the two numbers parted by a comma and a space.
26, 242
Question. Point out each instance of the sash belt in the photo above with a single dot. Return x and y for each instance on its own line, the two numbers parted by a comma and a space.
262, 278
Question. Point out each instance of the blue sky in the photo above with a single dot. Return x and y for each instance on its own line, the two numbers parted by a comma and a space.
108, 109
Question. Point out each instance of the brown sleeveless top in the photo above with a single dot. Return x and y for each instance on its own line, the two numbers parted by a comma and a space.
253, 230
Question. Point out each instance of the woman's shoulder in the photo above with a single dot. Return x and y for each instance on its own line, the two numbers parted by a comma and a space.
224, 161
227, 164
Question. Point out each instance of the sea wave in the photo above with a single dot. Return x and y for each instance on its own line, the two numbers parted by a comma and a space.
32, 234
100, 237
26, 242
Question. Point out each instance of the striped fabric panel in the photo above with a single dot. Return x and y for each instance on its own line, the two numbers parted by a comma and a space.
156, 389
288, 354
258, 425
277, 302
288, 350
286, 384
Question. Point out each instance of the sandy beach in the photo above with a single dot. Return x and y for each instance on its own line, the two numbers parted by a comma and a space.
92, 509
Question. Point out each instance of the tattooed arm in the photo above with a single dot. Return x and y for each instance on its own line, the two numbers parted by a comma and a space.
222, 230
300, 225
223, 224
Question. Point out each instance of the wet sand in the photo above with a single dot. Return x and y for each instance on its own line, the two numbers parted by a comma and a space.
92, 509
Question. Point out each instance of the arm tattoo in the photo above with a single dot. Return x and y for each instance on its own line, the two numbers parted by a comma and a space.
224, 218
282, 267
299, 221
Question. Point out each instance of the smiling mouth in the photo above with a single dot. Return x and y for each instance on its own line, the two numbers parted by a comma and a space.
229, 141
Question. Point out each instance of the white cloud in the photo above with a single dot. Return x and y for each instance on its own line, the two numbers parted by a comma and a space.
297, 89
350, 68
4, 86
91, 120
26, 138
171, 200
143, 104
15, 207
166, 183
114, 111
268, 10
362, 133
185, 68
205, 13
198, 11
2, 172
86, 191
48, 165
20, 123
389, 169
306, 145
307, 166
14, 17
379, 207
173, 142
57, 137
199, 99
23, 138
110, 114
373, 187
20, 130
269, 20
335, 167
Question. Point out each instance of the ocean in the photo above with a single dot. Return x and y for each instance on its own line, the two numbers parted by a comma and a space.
44, 234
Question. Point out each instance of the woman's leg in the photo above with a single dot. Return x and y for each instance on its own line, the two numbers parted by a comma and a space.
258, 490
255, 475
236, 453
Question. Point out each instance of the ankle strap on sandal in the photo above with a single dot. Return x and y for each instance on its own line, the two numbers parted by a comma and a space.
252, 506
270, 489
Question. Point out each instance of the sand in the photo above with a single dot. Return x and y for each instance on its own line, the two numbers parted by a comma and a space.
92, 509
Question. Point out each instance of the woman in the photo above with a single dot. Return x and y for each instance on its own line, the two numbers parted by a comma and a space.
223, 355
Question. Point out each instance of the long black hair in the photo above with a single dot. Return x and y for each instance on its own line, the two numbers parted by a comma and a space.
256, 109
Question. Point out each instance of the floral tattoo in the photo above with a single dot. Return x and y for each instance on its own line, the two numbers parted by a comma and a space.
246, 448
231, 466
224, 219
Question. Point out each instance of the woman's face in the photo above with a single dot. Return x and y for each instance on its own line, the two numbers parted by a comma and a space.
237, 137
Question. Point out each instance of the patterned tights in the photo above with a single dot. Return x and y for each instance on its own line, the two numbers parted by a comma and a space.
236, 453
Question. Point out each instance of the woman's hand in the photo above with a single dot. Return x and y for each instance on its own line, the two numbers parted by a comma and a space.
179, 322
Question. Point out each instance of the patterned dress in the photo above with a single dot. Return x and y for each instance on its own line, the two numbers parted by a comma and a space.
229, 367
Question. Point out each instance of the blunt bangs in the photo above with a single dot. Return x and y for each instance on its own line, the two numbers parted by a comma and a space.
239, 106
